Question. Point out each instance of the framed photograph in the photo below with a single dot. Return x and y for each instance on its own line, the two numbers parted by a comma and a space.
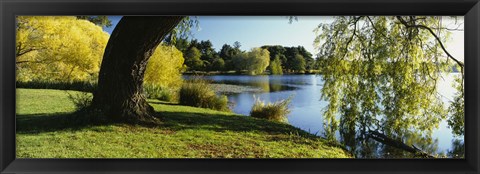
239, 86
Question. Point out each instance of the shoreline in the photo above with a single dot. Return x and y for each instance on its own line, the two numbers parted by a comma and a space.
226, 89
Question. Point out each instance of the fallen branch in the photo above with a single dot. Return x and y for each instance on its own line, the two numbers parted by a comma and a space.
398, 144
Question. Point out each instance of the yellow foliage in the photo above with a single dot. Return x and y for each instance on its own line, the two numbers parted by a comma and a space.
58, 48
164, 67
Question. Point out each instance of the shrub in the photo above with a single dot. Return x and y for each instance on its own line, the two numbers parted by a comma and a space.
164, 68
84, 114
59, 48
198, 93
163, 76
81, 100
277, 111
85, 86
254, 62
160, 93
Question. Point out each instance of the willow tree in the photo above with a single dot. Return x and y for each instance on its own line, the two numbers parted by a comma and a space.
381, 75
119, 95
255, 61
58, 48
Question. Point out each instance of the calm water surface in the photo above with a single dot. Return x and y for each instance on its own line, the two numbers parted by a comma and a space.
306, 106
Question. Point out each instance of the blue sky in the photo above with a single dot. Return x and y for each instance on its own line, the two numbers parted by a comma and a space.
253, 31
256, 31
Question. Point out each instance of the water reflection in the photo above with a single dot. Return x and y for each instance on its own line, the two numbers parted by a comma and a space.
353, 126
457, 150
266, 83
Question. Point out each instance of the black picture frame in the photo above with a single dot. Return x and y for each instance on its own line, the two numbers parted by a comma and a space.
11, 8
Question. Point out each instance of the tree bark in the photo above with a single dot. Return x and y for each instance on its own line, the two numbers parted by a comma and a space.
119, 95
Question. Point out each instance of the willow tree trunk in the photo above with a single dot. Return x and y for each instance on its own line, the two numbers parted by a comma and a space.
119, 94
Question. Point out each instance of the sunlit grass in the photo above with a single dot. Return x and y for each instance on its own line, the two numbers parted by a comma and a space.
47, 129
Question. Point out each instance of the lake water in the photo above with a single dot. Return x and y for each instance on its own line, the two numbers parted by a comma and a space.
306, 106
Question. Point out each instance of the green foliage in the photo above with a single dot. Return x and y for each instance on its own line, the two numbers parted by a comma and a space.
163, 77
164, 68
182, 45
381, 75
458, 150
58, 48
200, 56
290, 58
192, 59
218, 64
81, 100
237, 45
227, 53
275, 67
182, 31
206, 48
198, 93
207, 53
277, 111
457, 114
255, 61
298, 64
162, 93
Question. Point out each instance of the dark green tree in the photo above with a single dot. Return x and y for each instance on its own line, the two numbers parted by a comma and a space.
237, 45
218, 64
208, 53
193, 61
309, 61
457, 114
458, 150
182, 44
227, 53
298, 64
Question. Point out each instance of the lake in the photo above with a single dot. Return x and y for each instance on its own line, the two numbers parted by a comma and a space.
306, 107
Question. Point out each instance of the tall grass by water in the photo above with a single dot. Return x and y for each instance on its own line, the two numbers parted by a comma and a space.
198, 93
276, 111
160, 93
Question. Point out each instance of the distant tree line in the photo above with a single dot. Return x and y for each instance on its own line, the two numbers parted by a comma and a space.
290, 59
201, 56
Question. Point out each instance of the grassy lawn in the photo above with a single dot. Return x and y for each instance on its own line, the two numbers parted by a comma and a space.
46, 128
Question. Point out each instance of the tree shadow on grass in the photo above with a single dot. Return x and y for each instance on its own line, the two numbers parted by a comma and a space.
220, 123
51, 122
175, 121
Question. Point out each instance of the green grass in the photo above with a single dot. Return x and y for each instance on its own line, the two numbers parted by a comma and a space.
46, 128
75, 85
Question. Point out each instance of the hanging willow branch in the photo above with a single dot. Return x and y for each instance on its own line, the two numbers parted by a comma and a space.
408, 25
